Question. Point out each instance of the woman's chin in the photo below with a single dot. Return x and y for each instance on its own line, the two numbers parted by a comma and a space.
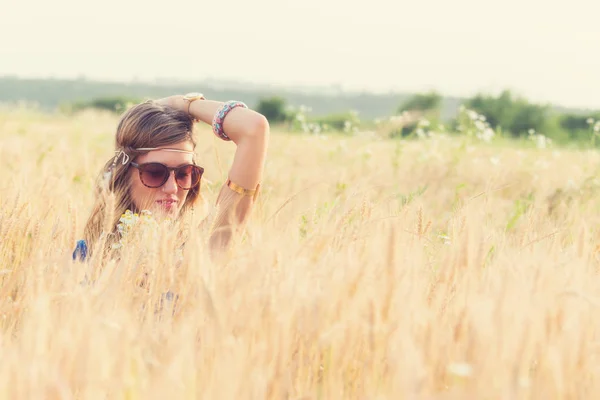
165, 211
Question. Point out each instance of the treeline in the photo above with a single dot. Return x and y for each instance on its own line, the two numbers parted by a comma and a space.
507, 114
54, 94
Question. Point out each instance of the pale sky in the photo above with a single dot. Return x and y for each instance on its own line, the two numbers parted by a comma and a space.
546, 50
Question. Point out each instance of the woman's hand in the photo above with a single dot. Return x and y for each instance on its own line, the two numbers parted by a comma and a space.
175, 101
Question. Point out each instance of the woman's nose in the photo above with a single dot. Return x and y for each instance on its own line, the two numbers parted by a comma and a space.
170, 185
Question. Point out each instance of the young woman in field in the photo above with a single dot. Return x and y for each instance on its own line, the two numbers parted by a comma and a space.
154, 170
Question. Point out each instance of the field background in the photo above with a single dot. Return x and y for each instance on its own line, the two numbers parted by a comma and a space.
444, 267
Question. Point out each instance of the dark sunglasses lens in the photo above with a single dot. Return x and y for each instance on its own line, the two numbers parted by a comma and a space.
188, 176
154, 175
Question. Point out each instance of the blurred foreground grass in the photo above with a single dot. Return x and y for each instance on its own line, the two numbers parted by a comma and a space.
436, 268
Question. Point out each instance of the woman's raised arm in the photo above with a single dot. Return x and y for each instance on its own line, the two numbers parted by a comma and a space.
249, 130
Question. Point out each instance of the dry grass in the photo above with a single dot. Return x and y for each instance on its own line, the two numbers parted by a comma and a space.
371, 269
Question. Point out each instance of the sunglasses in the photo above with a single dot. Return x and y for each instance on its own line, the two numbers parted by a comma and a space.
154, 175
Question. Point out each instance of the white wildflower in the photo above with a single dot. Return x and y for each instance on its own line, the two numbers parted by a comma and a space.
524, 382
462, 370
348, 126
445, 238
541, 141
487, 134
472, 115
424, 123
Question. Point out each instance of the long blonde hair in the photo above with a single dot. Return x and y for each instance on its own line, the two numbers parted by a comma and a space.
143, 125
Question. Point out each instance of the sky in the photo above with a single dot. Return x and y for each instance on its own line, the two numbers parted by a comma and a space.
544, 50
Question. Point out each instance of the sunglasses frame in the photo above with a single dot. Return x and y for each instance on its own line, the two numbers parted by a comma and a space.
140, 168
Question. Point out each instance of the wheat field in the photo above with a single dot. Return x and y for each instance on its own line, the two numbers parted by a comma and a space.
442, 268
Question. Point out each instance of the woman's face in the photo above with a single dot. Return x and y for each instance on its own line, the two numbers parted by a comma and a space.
168, 199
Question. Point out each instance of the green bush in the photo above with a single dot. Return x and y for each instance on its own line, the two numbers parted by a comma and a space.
419, 114
514, 115
431, 101
116, 104
342, 122
579, 127
273, 108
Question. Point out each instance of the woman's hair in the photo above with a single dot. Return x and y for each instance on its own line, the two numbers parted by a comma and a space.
143, 125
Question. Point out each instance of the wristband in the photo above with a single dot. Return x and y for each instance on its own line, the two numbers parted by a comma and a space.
219, 118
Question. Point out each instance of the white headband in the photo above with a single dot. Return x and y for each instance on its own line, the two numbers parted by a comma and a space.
126, 156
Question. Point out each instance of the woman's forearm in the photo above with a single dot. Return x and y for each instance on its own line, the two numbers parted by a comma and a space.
249, 130
239, 123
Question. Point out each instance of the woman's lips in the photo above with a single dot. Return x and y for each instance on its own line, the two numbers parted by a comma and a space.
167, 204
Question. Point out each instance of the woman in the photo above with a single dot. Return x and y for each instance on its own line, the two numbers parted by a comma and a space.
154, 169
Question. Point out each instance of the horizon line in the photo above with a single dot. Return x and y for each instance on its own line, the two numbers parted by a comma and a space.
320, 89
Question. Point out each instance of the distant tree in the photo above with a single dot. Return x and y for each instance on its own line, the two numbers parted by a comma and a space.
273, 108
510, 113
421, 106
431, 101
576, 122
530, 116
499, 111
116, 104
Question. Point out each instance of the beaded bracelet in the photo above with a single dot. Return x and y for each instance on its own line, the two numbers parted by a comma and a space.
219, 118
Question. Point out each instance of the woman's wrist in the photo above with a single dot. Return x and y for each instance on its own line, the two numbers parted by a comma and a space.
202, 110
182, 104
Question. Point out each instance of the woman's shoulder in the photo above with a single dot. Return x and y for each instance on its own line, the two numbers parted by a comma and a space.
80, 250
